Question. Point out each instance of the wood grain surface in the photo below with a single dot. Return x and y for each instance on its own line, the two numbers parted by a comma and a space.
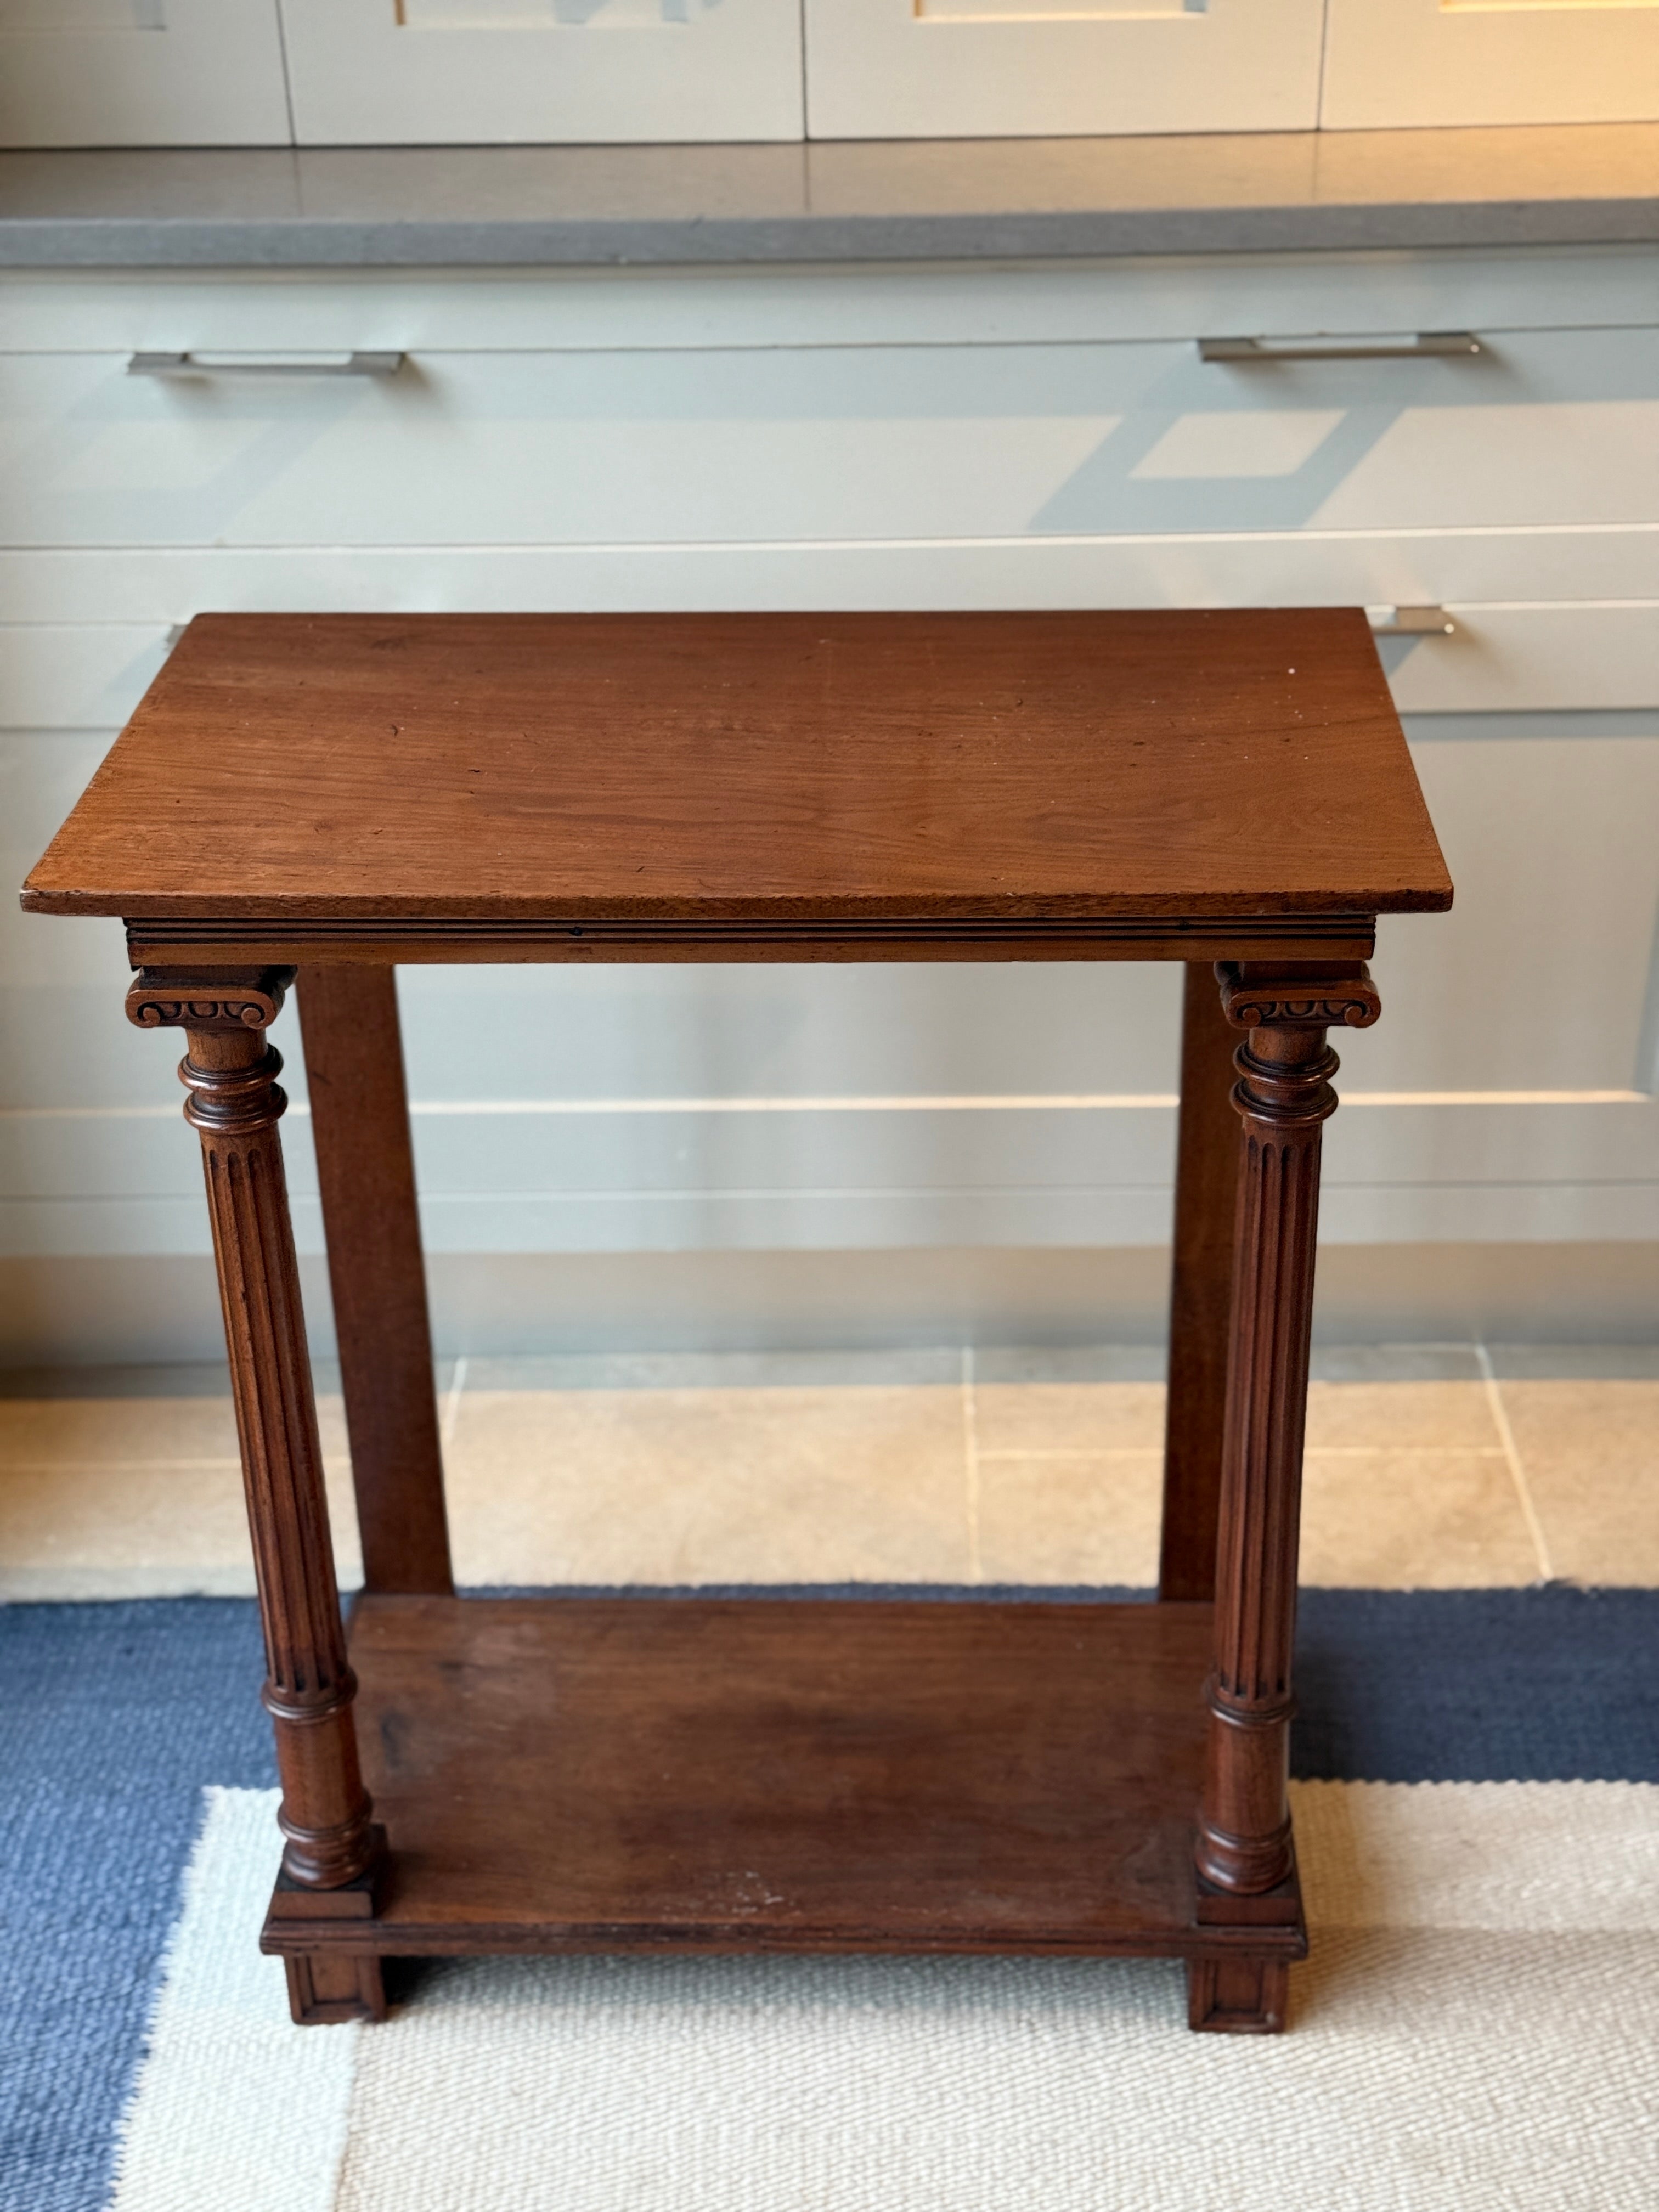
235, 1105
1201, 1294
769, 1774
371, 1220
783, 767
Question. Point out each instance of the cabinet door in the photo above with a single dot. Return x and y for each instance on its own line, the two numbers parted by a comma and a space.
473, 72
1011, 69
141, 73
1391, 63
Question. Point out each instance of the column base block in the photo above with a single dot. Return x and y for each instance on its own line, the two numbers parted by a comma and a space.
325, 1987
1237, 1994
1280, 1907
352, 1901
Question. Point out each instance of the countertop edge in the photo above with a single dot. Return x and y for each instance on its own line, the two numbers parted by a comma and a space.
199, 242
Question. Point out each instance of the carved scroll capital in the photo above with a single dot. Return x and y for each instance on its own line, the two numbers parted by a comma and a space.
1256, 996
206, 999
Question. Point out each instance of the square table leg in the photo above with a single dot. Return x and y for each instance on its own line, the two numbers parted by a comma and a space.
235, 1103
1284, 1096
1200, 1293
366, 1173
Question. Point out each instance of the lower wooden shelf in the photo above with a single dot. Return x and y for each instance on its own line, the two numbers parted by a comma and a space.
575, 1774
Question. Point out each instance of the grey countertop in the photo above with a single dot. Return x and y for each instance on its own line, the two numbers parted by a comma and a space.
900, 200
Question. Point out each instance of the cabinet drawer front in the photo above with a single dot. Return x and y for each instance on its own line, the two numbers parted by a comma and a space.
1512, 659
858, 443
1030, 303
1468, 571
1530, 659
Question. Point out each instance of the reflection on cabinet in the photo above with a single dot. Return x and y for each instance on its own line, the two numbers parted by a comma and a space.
141, 73
1391, 63
995, 68
477, 72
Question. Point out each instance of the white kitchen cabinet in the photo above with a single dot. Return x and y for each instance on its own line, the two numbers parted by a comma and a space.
841, 440
1274, 296
477, 72
769, 444
142, 73
1003, 68
987, 437
437, 72
1390, 63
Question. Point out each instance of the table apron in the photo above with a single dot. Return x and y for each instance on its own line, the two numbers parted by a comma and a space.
174, 942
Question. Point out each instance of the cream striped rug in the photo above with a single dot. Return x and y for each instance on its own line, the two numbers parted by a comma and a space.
1477, 2032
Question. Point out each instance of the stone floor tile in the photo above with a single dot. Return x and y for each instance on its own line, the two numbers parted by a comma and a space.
128, 1431
710, 1485
87, 1530
695, 1370
1069, 1363
1068, 1417
1396, 1362
1576, 1363
1413, 1520
1415, 1416
1075, 1519
1589, 1454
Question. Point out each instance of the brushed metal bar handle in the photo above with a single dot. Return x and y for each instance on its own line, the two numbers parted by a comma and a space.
1426, 344
1412, 622
208, 364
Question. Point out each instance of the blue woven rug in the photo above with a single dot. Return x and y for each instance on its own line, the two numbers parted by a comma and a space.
114, 1719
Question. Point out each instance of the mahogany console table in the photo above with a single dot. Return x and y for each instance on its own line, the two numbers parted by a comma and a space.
329, 796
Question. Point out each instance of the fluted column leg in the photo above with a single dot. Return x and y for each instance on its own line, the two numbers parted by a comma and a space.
234, 1106
1284, 1097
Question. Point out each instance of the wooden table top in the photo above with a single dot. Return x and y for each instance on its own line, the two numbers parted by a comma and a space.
787, 768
